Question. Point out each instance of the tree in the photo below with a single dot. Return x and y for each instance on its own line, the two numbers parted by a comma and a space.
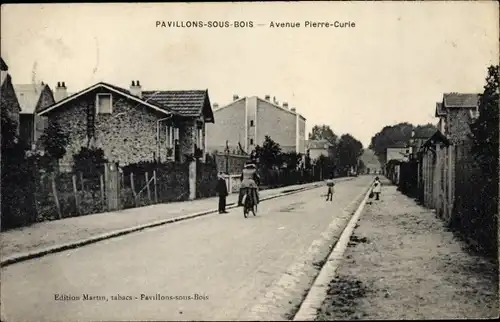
361, 167
348, 152
425, 131
399, 133
324, 132
292, 159
17, 183
54, 141
89, 161
485, 128
269, 154
388, 136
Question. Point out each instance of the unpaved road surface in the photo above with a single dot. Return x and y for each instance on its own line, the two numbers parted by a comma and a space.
224, 262
403, 264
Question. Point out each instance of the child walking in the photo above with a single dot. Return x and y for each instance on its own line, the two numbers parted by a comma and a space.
330, 184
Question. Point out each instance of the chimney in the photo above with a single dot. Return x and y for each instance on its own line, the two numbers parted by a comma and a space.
268, 97
293, 109
235, 97
61, 91
135, 89
285, 105
215, 106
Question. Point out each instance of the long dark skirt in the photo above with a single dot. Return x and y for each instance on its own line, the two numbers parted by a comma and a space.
254, 195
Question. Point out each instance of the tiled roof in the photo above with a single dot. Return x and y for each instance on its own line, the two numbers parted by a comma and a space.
317, 144
3, 65
440, 111
458, 100
28, 96
184, 103
435, 138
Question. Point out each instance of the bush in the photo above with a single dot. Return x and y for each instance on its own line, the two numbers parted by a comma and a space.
206, 180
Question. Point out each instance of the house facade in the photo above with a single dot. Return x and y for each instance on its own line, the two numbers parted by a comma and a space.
8, 99
134, 125
246, 121
398, 152
32, 99
317, 148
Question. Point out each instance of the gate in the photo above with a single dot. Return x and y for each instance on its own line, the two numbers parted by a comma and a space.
112, 186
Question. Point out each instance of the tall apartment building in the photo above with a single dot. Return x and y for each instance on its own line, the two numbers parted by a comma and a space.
247, 120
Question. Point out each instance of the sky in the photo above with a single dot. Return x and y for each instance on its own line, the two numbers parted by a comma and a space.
391, 67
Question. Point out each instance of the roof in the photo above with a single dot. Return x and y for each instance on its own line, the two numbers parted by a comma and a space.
189, 103
28, 96
440, 111
110, 87
3, 65
317, 144
262, 100
460, 100
435, 138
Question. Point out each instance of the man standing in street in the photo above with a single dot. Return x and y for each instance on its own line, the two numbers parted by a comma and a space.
221, 190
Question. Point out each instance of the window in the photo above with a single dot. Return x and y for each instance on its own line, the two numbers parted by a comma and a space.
104, 104
200, 139
251, 141
170, 136
251, 123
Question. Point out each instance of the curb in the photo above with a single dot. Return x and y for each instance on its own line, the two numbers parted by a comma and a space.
317, 294
59, 248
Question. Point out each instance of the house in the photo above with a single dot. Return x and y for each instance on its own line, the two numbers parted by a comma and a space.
134, 125
246, 121
316, 148
397, 151
9, 102
455, 112
32, 99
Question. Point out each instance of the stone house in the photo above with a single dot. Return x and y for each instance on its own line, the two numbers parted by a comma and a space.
32, 99
246, 121
8, 99
134, 125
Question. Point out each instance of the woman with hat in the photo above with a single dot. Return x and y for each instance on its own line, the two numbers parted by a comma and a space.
249, 183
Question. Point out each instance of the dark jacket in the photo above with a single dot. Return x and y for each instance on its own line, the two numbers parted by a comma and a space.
221, 187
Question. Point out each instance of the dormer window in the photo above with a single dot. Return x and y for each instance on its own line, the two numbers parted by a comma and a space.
104, 104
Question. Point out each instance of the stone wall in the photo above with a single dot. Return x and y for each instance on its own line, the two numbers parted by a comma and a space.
126, 138
235, 163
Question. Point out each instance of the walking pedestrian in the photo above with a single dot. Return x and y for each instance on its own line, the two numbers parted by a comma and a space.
221, 190
330, 184
377, 188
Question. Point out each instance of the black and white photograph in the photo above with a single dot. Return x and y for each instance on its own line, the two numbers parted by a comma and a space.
249, 161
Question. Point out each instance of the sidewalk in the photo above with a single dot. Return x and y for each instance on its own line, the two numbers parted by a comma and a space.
75, 229
401, 263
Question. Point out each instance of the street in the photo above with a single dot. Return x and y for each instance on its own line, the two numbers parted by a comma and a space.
224, 262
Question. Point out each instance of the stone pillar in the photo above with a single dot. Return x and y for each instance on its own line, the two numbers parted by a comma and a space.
192, 180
